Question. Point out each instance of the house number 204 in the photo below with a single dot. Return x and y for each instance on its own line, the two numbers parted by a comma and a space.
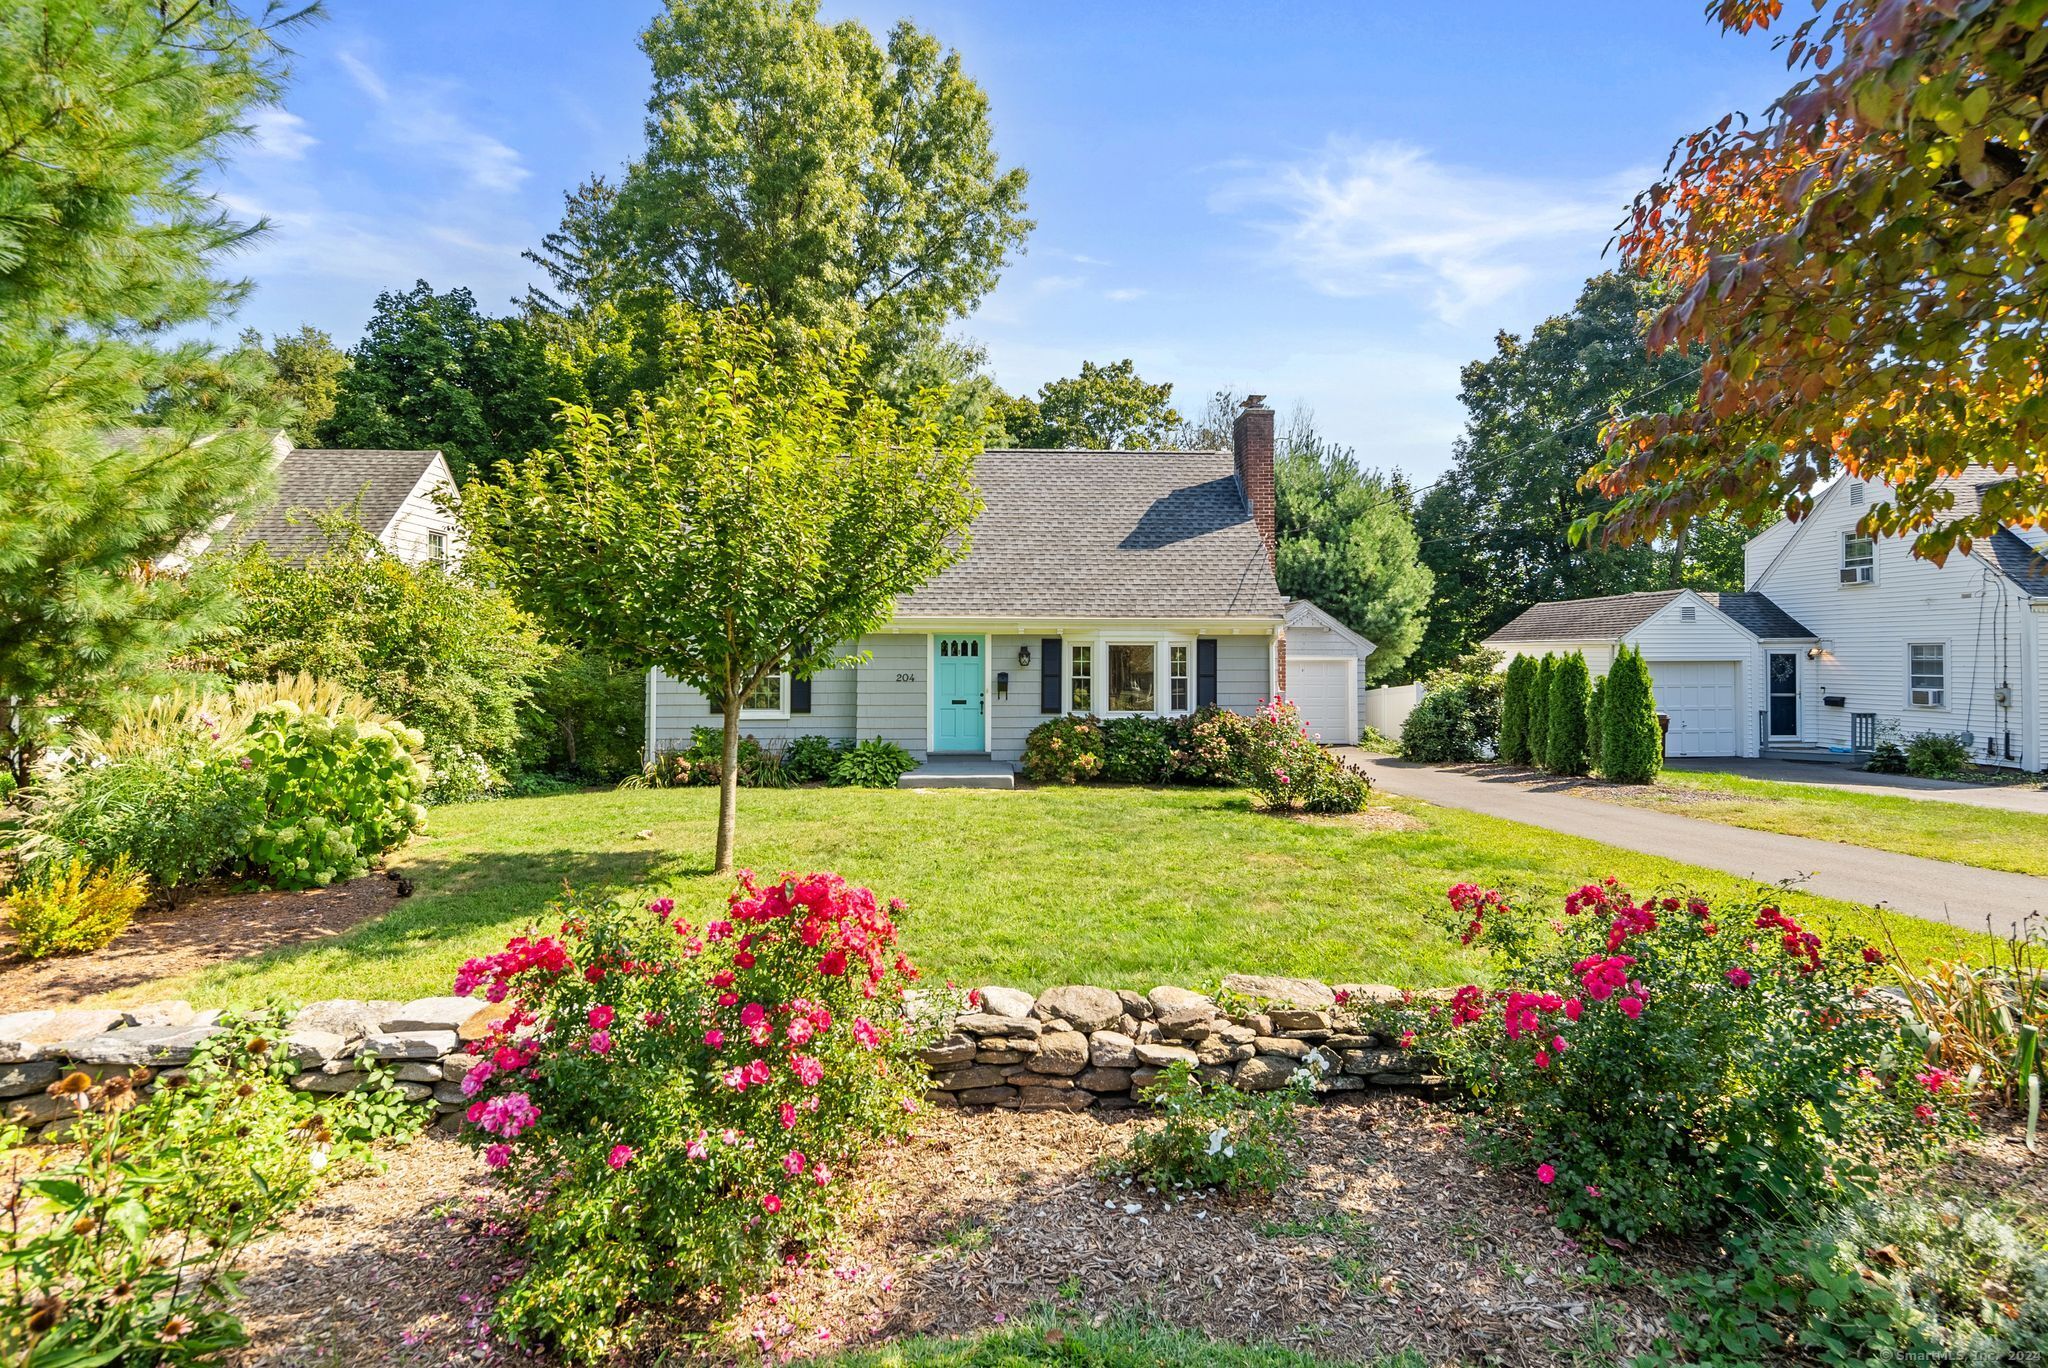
908, 677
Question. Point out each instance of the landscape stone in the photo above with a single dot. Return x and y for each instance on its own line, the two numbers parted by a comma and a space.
415, 1092
1290, 992
39, 1034
1167, 998
1106, 1080
308, 1048
1056, 1024
1298, 1019
37, 1109
1367, 1062
1238, 1035
1370, 994
17, 1079
419, 1073
1159, 1056
1050, 1099
1111, 1050
1060, 1052
450, 1095
996, 1096
456, 1067
410, 1044
1345, 1040
1264, 1073
1142, 1079
483, 1020
987, 1023
1136, 1005
1175, 1020
1289, 1049
1218, 1052
314, 1081
143, 1044
175, 1012
346, 1017
1009, 1002
429, 1014
1000, 1056
1085, 1008
1341, 1083
948, 1053
962, 1080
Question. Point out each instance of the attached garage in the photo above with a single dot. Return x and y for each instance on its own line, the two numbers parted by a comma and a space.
1699, 696
1325, 673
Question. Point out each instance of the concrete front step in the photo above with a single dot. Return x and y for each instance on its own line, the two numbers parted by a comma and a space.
960, 772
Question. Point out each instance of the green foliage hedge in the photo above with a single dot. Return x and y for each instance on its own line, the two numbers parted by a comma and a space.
1459, 717
1571, 698
1514, 711
1632, 742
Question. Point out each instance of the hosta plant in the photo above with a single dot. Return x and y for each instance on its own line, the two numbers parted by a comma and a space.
1660, 1064
678, 1104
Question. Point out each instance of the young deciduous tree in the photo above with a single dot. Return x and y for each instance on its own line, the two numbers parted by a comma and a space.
307, 367
110, 112
1104, 408
1632, 751
842, 185
1866, 267
757, 513
1571, 695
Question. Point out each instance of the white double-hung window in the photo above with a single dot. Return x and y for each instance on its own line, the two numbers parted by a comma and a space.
1859, 559
1927, 674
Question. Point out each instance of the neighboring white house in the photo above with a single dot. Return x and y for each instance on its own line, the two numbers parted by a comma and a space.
1835, 636
407, 500
1113, 583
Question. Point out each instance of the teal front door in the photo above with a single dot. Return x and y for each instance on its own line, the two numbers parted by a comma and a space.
956, 695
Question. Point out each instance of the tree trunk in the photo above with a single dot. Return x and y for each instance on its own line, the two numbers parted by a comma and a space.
729, 778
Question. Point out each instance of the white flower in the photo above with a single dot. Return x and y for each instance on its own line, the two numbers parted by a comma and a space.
317, 1158
1217, 1137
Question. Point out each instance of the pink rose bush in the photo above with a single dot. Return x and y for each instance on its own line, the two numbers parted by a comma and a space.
1659, 1066
677, 1105
1289, 771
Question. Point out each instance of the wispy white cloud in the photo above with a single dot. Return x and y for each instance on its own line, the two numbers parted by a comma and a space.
424, 119
1123, 294
277, 132
1058, 284
1362, 219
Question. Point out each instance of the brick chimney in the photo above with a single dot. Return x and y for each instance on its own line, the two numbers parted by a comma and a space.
1251, 444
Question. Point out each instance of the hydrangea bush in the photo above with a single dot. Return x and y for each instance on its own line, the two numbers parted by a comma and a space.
1661, 1065
679, 1103
331, 792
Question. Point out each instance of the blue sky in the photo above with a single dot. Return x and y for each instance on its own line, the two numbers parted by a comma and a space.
1337, 204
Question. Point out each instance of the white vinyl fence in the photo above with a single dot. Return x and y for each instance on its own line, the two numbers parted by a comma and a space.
1388, 706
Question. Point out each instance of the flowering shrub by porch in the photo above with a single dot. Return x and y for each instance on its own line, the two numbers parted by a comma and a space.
1663, 1065
679, 1102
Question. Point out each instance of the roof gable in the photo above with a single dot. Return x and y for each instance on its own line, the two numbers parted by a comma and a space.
1305, 613
1106, 534
1614, 616
375, 484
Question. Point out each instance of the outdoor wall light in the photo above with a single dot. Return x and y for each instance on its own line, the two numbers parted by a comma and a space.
1023, 657
1813, 653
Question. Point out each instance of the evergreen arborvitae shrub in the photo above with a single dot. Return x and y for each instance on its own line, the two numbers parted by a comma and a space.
1596, 724
1571, 696
1514, 713
1537, 727
1632, 751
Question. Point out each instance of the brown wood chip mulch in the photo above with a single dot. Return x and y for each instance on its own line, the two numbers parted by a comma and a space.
1394, 1236
211, 928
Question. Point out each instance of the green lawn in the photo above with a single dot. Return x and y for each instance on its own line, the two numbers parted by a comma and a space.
1990, 838
1048, 1338
1114, 886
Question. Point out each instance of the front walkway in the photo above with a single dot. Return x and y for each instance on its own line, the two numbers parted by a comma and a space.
1936, 890
2010, 797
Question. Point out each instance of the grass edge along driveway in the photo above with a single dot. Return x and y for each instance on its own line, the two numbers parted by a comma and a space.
1123, 887
1986, 837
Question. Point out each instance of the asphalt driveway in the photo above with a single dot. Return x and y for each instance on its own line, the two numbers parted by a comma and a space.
1961, 895
2010, 797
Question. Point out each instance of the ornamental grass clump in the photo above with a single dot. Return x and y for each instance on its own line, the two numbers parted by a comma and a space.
678, 1105
1662, 1065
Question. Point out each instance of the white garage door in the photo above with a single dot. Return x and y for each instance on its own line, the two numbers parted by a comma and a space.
1325, 691
1699, 697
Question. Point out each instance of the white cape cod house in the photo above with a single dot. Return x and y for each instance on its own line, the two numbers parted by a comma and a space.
1836, 636
1118, 583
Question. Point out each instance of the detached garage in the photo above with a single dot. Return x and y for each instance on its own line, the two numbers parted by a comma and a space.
1729, 670
1326, 673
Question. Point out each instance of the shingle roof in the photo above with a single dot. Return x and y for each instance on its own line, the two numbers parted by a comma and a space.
2018, 562
325, 481
1109, 534
1616, 615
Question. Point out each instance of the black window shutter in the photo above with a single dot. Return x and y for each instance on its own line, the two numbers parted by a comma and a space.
1205, 672
799, 695
1050, 675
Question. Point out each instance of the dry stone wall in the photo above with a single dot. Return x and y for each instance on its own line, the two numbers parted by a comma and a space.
1068, 1048
1075, 1047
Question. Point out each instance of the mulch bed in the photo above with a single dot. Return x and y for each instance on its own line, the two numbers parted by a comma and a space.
1394, 1236
211, 928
